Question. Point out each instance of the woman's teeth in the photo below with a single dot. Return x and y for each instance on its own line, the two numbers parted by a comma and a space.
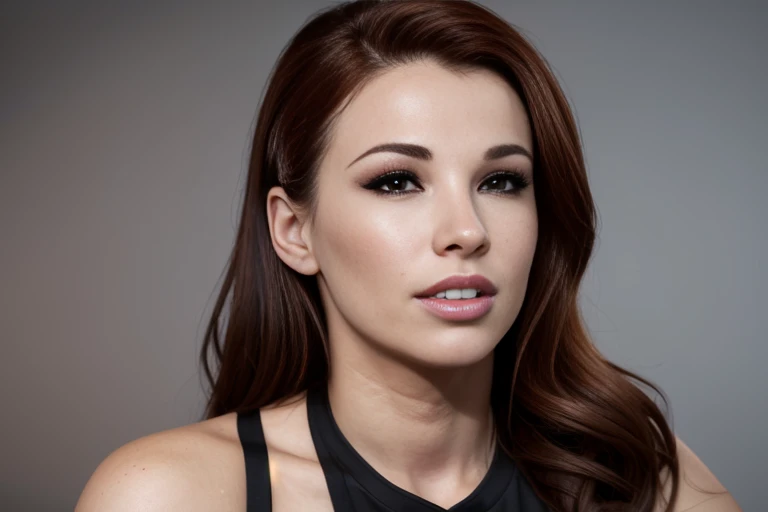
464, 293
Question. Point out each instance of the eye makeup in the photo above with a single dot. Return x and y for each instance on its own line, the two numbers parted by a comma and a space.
513, 181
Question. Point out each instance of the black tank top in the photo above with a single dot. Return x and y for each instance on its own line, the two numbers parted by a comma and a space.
355, 486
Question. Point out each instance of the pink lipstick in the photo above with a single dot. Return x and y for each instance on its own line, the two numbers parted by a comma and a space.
451, 307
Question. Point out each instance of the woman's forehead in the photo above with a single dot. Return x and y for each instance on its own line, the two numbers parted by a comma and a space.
427, 104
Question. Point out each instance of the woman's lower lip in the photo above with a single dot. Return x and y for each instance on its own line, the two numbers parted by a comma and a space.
459, 309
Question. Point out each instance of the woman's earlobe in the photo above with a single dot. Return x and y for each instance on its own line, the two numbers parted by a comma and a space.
286, 232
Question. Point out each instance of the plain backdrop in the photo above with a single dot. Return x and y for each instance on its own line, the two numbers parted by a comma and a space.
123, 140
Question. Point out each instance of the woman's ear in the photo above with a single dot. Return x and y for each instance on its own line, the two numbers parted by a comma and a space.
287, 230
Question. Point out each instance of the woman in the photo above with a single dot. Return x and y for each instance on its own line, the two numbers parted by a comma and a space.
403, 331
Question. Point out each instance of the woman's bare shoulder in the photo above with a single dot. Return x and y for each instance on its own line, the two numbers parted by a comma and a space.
194, 467
201, 467
699, 490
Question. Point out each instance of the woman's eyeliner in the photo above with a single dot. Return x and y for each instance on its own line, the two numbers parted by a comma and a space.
517, 178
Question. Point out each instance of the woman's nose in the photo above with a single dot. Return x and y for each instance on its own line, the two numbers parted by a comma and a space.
458, 227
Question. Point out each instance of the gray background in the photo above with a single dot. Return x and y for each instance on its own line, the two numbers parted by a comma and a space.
124, 138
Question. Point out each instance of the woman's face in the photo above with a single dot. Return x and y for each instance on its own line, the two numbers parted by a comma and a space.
377, 251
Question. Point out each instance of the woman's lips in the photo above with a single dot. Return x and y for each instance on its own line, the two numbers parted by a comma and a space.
458, 309
457, 282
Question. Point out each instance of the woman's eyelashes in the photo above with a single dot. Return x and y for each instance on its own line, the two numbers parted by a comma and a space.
395, 183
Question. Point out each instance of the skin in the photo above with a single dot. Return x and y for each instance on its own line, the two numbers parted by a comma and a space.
409, 390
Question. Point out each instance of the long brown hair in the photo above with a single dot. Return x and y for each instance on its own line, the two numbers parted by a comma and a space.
583, 433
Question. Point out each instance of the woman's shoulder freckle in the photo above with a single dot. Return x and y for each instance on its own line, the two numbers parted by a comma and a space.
201, 466
193, 467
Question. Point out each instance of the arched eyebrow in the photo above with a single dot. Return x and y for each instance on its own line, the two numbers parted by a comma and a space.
422, 153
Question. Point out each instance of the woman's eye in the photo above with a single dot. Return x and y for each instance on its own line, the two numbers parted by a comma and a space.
500, 184
404, 182
394, 183
507, 182
397, 184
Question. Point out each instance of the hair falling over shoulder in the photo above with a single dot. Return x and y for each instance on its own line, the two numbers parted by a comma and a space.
578, 427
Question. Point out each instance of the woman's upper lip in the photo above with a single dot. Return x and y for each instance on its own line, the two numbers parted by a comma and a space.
476, 281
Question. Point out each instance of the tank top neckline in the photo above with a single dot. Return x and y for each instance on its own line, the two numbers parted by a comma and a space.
340, 460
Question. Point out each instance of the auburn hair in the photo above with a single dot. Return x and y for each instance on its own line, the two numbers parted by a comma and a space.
579, 427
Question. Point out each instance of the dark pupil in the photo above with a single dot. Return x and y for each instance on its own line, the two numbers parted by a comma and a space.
496, 181
401, 181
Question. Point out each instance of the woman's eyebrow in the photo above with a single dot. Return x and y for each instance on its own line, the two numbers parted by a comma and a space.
422, 153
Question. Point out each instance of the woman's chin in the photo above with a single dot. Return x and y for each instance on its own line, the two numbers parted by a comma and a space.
448, 354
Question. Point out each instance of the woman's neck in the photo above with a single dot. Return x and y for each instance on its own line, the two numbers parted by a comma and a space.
424, 430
